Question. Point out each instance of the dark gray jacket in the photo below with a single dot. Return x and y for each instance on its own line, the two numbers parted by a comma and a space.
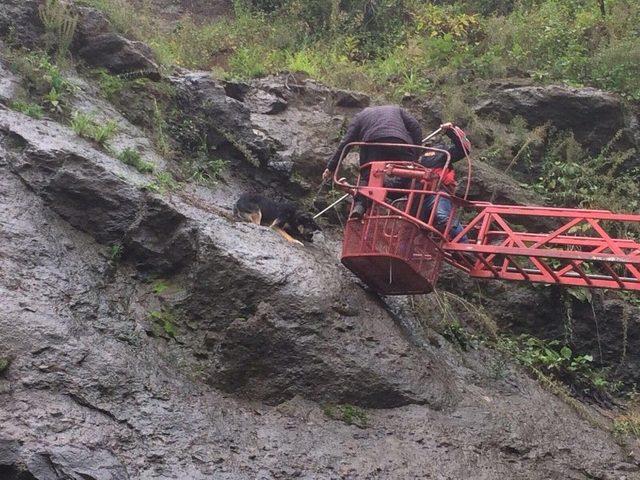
374, 123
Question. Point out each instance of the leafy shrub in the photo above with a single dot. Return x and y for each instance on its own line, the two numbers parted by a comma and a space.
572, 177
131, 157
43, 78
31, 109
60, 25
87, 126
552, 358
349, 414
391, 46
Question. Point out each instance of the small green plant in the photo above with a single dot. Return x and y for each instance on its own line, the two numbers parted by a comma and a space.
82, 124
206, 171
159, 130
349, 414
247, 63
54, 99
4, 364
43, 78
115, 252
549, 357
110, 85
87, 126
132, 157
165, 319
31, 109
104, 132
59, 24
164, 182
628, 424
160, 286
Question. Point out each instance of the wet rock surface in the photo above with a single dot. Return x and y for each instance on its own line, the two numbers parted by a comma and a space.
98, 389
148, 335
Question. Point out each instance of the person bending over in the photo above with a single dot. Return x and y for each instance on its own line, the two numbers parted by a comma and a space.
383, 124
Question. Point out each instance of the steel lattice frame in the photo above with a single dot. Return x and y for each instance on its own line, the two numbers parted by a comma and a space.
575, 249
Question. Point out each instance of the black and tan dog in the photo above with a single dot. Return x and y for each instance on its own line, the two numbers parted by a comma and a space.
283, 217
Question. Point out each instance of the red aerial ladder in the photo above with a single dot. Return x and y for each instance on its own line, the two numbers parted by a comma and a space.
396, 248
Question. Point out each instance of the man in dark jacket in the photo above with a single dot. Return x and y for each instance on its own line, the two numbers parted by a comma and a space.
384, 124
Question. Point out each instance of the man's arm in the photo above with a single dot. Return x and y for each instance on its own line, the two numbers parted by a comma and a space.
412, 126
457, 150
352, 135
439, 159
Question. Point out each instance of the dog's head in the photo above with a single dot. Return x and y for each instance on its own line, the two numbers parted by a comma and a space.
306, 226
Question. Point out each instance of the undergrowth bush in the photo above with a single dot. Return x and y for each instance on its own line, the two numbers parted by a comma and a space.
558, 361
44, 80
88, 126
131, 157
402, 46
572, 177
31, 109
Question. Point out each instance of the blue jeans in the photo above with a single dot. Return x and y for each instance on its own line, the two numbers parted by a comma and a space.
443, 212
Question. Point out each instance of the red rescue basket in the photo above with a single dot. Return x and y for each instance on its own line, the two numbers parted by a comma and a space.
391, 254
391, 249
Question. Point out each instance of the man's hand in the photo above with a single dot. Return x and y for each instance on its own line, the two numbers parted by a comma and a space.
326, 175
446, 126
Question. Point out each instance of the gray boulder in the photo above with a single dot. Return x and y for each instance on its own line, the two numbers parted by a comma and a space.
594, 116
216, 374
100, 46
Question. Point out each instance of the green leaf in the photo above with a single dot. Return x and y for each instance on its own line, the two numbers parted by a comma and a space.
566, 353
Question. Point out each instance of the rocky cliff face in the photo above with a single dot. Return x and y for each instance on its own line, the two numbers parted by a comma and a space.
148, 335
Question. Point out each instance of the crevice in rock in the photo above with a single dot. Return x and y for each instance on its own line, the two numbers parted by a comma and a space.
83, 402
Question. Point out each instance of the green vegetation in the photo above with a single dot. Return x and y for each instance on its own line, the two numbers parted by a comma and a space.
105, 132
4, 364
160, 286
31, 109
405, 46
349, 414
115, 252
205, 171
164, 182
573, 177
628, 424
165, 320
132, 157
110, 85
87, 126
550, 358
59, 24
44, 80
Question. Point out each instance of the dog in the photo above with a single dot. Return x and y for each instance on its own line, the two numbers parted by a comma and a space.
283, 217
